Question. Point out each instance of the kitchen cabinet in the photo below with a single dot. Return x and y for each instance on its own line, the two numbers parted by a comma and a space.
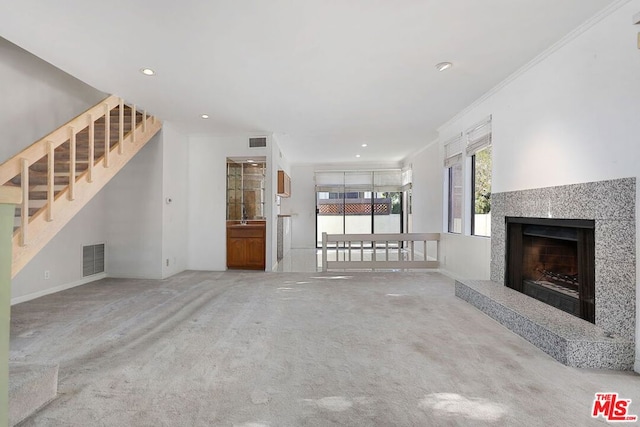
246, 245
284, 184
245, 190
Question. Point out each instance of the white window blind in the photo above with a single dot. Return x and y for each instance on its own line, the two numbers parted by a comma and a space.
358, 181
453, 151
407, 178
478, 136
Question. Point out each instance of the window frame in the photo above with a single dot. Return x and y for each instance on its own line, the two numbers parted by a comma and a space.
472, 194
450, 200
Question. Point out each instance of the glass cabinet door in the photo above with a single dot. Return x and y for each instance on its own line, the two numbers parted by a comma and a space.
245, 190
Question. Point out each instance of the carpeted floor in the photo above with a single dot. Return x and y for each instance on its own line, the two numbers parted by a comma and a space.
294, 349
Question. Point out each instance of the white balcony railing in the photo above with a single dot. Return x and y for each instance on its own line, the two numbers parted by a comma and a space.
387, 251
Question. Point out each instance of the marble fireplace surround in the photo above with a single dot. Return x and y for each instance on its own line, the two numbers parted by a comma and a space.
573, 341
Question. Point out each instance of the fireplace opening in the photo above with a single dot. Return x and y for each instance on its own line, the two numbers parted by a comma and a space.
553, 260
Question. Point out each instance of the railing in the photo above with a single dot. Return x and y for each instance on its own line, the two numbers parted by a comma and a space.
58, 174
384, 247
43, 151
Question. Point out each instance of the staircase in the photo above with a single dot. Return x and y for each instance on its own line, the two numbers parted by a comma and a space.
61, 172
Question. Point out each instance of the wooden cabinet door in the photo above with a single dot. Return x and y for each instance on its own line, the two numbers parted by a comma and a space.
254, 253
246, 247
235, 253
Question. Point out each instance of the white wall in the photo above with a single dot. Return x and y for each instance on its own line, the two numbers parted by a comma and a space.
572, 116
460, 256
302, 207
37, 98
207, 198
278, 161
134, 215
427, 189
62, 257
175, 160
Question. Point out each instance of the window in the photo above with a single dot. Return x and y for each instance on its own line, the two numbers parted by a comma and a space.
358, 202
479, 149
455, 198
481, 184
453, 163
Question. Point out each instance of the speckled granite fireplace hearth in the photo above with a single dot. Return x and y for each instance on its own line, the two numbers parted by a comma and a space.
611, 207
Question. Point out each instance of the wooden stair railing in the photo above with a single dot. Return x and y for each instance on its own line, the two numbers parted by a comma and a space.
61, 172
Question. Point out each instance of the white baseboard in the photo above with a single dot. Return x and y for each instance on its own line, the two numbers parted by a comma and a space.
53, 290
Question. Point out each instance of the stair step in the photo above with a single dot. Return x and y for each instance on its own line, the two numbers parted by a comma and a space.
38, 188
42, 179
30, 388
58, 166
40, 192
32, 211
36, 204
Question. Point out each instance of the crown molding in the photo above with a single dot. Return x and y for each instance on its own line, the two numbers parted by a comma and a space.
541, 57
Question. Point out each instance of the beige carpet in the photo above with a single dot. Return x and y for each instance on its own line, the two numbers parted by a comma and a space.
294, 349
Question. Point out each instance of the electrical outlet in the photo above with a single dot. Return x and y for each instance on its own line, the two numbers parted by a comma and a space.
47, 275
167, 262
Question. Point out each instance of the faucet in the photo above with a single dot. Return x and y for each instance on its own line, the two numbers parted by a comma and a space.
243, 221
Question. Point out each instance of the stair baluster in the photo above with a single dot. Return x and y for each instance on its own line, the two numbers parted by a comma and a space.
24, 214
52, 171
92, 148
107, 135
51, 178
133, 123
121, 127
72, 163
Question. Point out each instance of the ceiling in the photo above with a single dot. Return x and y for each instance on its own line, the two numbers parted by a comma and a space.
326, 75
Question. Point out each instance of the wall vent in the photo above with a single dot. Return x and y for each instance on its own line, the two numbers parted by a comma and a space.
92, 259
258, 142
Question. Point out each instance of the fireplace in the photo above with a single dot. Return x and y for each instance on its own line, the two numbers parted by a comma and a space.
553, 260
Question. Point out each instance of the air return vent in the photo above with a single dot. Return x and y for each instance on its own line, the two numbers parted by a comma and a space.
92, 259
258, 142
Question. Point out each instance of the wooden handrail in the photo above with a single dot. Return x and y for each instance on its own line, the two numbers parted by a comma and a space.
40, 148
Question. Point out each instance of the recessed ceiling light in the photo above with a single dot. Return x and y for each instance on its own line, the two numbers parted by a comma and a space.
147, 71
254, 164
358, 155
251, 161
205, 116
443, 66
364, 145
